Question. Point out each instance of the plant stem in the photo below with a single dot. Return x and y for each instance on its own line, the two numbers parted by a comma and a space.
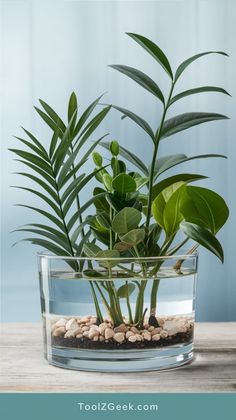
157, 141
128, 304
77, 196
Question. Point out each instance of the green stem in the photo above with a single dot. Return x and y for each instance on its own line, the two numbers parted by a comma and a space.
157, 141
128, 304
98, 310
77, 197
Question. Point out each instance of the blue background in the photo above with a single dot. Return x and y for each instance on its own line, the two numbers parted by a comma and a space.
50, 48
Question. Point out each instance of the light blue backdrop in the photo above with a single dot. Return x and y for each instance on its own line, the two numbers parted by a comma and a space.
49, 48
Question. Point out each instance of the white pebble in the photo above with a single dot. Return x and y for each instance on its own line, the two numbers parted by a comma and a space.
134, 329
129, 334
132, 338
109, 333
147, 336
119, 337
121, 328
138, 337
156, 337
92, 334
61, 322
71, 324
59, 331
164, 334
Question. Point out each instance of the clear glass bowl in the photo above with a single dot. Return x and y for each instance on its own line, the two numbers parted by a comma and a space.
118, 315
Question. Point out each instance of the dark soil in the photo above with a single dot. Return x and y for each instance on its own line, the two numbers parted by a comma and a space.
86, 343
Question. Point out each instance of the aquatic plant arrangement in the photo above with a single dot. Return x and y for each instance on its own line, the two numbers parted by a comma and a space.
130, 232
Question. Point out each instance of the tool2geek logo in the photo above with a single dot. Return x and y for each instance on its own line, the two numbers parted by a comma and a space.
111, 406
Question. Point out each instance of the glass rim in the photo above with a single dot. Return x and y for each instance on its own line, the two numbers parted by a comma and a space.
185, 256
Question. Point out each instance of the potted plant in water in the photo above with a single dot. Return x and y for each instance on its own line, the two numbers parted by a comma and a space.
117, 291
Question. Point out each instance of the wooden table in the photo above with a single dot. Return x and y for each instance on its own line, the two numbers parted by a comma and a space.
23, 368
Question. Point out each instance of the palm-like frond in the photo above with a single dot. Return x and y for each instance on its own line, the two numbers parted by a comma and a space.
56, 171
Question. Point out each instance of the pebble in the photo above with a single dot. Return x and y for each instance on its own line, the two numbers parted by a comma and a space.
129, 334
119, 337
71, 324
61, 322
59, 331
95, 338
85, 328
132, 338
134, 329
109, 333
139, 337
156, 337
156, 331
147, 336
164, 334
121, 328
102, 327
69, 334
93, 333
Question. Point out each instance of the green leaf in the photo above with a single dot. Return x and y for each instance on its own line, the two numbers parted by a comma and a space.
186, 63
91, 249
167, 162
104, 220
107, 181
100, 202
91, 127
42, 154
204, 237
140, 180
77, 189
125, 290
138, 120
108, 255
86, 115
43, 197
158, 188
62, 241
53, 125
131, 157
76, 215
50, 191
72, 106
184, 121
47, 245
154, 50
165, 208
43, 174
172, 215
142, 79
198, 90
127, 219
53, 142
32, 158
134, 237
35, 141
49, 216
92, 274
204, 207
122, 246
124, 183
53, 115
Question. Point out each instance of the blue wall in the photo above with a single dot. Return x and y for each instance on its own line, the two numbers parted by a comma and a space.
50, 48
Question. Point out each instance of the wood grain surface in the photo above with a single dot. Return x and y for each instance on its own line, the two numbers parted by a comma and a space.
23, 368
